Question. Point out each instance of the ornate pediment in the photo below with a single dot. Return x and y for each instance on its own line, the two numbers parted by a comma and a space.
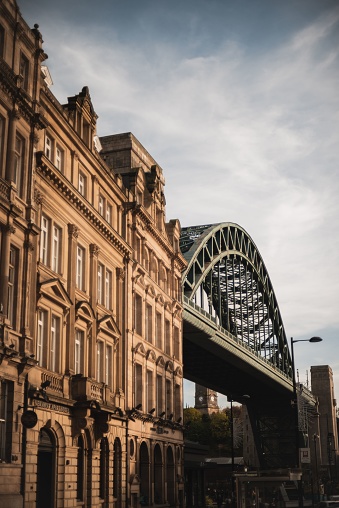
178, 372
159, 299
169, 366
160, 361
52, 289
107, 324
150, 355
140, 349
84, 310
150, 290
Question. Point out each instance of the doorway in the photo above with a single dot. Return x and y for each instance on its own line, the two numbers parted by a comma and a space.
45, 471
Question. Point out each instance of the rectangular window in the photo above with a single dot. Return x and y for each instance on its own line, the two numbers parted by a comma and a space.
79, 351
138, 248
18, 162
148, 325
158, 330
138, 314
59, 158
23, 71
160, 398
82, 184
80, 275
101, 205
50, 244
100, 291
54, 344
109, 366
149, 390
48, 147
12, 285
100, 361
41, 338
138, 385
176, 339
169, 406
108, 289
44, 240
56, 249
167, 337
109, 213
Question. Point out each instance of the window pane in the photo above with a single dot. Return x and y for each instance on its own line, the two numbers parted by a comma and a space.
109, 366
148, 328
100, 361
12, 285
59, 158
55, 344
23, 71
108, 289
48, 147
100, 283
18, 162
101, 206
80, 267
44, 240
82, 184
41, 339
138, 314
109, 214
56, 249
158, 330
79, 352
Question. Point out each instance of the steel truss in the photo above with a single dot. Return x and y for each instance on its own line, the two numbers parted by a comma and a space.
227, 277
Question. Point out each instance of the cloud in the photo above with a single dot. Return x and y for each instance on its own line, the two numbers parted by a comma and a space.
244, 134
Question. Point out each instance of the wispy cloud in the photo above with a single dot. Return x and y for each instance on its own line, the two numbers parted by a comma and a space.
244, 134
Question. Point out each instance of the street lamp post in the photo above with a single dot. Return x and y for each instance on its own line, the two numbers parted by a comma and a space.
296, 413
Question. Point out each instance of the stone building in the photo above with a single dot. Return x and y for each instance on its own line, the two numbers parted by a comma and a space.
90, 311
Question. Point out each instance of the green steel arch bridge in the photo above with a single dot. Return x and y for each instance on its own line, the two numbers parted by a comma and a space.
234, 338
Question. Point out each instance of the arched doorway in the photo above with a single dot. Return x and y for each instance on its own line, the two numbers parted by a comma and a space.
158, 476
117, 472
170, 476
144, 475
45, 471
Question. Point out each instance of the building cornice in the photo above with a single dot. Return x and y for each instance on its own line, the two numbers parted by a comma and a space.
81, 204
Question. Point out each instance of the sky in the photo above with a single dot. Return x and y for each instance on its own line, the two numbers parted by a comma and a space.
238, 102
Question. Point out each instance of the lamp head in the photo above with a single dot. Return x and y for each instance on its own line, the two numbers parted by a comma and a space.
315, 339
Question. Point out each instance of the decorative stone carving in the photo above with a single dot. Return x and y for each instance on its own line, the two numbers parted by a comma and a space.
94, 249
73, 230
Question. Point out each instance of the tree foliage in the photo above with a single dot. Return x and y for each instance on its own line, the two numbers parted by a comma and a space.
213, 430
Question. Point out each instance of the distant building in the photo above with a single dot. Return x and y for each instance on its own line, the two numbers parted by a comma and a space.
206, 400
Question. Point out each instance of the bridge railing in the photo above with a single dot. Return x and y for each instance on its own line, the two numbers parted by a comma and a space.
232, 337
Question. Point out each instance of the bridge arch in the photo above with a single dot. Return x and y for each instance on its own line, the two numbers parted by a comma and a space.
227, 278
